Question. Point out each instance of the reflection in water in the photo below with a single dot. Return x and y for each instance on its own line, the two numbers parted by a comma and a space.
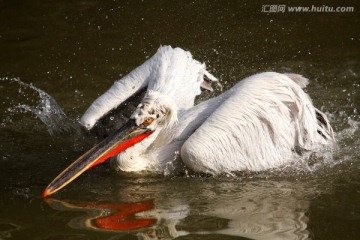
109, 216
266, 215
7, 228
265, 211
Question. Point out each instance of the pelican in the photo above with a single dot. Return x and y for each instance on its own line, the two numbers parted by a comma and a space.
265, 121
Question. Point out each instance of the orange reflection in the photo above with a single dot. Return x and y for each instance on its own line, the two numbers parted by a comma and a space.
123, 218
109, 216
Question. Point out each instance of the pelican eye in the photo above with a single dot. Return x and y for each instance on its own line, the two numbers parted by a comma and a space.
148, 121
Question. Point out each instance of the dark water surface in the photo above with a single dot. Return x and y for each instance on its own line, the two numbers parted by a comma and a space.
56, 57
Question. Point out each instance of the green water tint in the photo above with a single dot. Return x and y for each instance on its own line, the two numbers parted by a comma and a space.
72, 52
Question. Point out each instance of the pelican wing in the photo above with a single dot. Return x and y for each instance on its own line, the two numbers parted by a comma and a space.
171, 71
122, 89
258, 126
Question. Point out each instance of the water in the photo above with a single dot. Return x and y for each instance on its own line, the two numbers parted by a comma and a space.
56, 58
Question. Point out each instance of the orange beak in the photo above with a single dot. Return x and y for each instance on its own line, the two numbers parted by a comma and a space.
125, 137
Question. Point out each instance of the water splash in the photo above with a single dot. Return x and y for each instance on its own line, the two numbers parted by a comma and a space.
26, 98
349, 132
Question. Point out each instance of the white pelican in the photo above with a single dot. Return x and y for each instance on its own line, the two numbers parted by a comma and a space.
265, 121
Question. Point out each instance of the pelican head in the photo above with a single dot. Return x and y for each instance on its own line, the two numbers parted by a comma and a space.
156, 112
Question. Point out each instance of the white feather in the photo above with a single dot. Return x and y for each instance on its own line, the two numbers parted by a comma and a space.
172, 72
117, 94
262, 122
258, 127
